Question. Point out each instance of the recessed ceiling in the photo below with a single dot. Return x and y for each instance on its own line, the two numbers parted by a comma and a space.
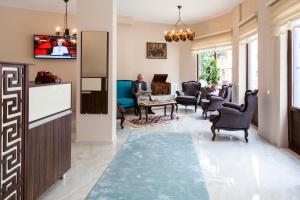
161, 11
165, 11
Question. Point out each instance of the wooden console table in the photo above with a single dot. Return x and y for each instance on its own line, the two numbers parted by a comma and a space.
147, 105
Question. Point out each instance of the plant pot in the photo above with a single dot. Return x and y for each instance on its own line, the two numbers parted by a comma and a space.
213, 87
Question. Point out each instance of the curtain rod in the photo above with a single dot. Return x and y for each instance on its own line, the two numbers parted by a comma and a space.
271, 3
213, 34
249, 18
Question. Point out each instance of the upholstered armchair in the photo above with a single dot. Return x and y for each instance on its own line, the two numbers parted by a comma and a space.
190, 94
233, 117
124, 95
120, 114
213, 103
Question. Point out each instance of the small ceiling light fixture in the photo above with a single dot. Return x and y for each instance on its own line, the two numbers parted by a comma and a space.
178, 33
66, 29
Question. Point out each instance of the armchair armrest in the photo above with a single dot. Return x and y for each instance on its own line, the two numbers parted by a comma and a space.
216, 98
229, 111
232, 105
179, 93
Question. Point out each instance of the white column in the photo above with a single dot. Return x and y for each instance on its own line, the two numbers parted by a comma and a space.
235, 56
95, 15
265, 79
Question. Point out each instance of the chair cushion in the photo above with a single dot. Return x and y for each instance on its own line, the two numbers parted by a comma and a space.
126, 102
186, 100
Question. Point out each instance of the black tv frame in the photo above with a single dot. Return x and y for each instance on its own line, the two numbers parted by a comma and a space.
53, 58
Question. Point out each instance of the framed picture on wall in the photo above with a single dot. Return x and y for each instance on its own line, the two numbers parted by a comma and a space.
156, 50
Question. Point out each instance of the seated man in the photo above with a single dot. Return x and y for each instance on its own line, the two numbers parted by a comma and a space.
139, 86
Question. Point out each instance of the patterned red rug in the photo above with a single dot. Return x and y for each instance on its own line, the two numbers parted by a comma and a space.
152, 121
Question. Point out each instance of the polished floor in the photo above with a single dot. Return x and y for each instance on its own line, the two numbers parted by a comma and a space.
233, 170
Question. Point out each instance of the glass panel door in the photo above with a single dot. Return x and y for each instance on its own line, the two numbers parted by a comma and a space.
294, 88
296, 69
253, 65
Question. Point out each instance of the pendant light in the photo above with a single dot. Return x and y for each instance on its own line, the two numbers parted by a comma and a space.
66, 28
178, 33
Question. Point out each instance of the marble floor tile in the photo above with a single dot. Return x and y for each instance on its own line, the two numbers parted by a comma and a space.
233, 169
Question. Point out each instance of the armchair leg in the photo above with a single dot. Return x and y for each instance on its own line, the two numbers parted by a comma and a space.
122, 121
213, 130
135, 111
246, 135
176, 107
195, 107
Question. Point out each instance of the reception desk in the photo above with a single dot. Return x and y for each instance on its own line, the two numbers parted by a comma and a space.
48, 145
35, 133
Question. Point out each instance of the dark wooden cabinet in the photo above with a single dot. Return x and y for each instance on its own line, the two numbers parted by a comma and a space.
94, 101
48, 155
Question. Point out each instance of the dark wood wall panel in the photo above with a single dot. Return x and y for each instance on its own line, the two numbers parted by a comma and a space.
295, 137
94, 102
48, 155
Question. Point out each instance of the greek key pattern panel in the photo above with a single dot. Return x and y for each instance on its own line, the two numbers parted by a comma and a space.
11, 139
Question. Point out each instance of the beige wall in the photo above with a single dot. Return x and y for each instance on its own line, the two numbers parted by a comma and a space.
132, 59
17, 29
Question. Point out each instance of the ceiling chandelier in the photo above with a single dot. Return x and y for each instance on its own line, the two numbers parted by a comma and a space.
179, 34
66, 29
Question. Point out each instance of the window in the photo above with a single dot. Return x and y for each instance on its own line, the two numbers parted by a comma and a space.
252, 65
296, 69
224, 62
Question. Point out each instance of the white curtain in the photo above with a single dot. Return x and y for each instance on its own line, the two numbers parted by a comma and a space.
284, 11
212, 41
249, 28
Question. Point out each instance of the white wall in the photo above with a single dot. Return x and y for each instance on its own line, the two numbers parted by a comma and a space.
132, 57
94, 15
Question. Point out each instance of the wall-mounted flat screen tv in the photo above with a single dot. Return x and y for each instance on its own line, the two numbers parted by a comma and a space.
55, 47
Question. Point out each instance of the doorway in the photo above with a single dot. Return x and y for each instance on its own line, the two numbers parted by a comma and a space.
252, 70
294, 88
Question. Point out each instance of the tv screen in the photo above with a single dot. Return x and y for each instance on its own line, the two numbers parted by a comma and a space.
55, 47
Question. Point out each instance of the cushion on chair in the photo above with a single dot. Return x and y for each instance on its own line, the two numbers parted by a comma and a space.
126, 102
189, 100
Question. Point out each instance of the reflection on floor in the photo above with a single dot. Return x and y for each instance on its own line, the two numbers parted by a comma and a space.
232, 169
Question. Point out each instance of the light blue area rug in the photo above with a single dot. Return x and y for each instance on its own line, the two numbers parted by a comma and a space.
153, 167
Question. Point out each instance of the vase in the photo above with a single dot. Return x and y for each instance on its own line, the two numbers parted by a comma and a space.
213, 87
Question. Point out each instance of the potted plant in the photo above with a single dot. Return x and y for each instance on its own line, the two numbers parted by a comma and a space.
211, 73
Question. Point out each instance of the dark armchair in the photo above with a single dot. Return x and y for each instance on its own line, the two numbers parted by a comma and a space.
233, 117
213, 103
190, 94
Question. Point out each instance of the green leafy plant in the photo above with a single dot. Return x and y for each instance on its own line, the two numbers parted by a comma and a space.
211, 73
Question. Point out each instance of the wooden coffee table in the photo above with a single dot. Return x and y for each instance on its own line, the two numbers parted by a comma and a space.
164, 104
